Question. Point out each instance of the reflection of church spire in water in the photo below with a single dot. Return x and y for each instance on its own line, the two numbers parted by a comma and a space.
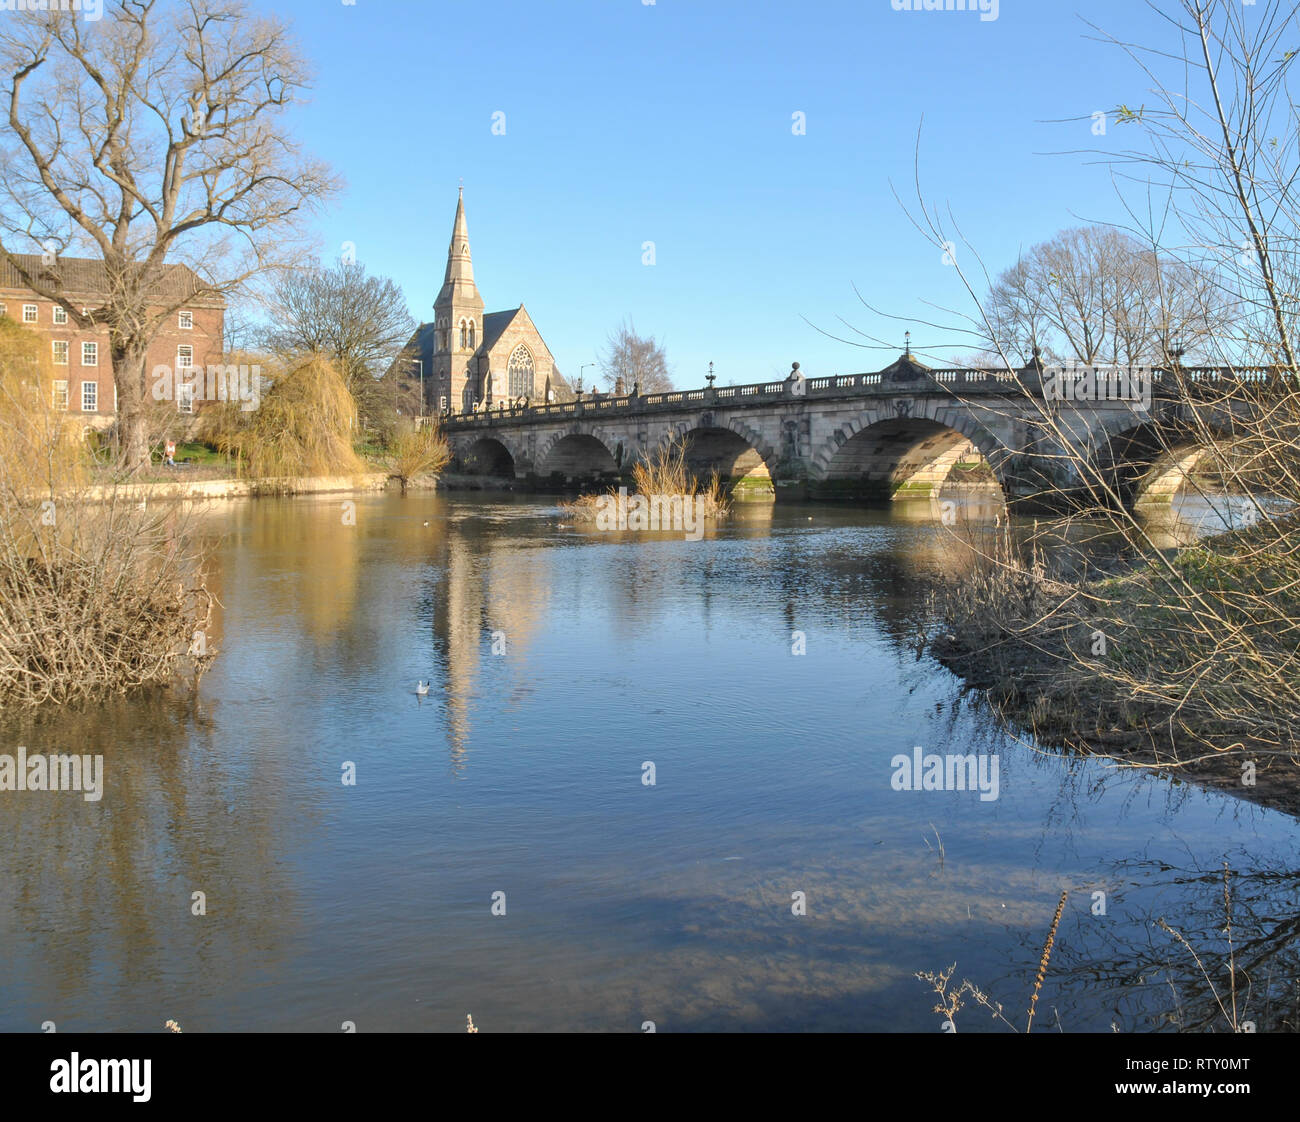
456, 622
487, 585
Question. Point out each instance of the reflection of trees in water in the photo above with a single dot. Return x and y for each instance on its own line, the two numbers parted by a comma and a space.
1123, 961
109, 883
1154, 981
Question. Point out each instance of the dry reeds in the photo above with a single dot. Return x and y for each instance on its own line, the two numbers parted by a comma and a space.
951, 998
95, 597
417, 451
665, 473
1044, 960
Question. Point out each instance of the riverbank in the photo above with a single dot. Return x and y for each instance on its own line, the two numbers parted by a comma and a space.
1129, 665
206, 490
203, 490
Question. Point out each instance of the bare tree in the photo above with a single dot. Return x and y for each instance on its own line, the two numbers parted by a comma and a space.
150, 138
632, 360
1097, 294
360, 322
1182, 654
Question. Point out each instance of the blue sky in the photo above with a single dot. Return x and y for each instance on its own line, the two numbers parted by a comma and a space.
671, 122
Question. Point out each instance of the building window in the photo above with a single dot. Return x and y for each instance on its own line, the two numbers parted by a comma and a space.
471, 335
186, 321
89, 397
29, 313
3, 310
60, 314
519, 372
464, 336
60, 352
184, 358
185, 397
60, 400
89, 354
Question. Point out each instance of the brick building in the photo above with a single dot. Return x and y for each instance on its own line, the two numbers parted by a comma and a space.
472, 359
191, 334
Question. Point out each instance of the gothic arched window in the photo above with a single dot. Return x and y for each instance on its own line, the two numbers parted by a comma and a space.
519, 372
471, 335
463, 336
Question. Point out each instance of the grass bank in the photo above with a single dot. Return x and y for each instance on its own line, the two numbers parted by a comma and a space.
1162, 663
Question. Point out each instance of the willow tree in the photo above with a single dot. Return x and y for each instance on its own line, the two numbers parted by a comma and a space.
153, 137
303, 427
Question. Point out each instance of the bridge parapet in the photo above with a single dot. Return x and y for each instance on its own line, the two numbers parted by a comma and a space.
757, 393
945, 381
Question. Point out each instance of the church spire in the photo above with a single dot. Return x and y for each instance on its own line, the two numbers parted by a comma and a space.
460, 269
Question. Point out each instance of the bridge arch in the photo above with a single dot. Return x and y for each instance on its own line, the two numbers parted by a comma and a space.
578, 453
906, 449
488, 455
1152, 461
743, 460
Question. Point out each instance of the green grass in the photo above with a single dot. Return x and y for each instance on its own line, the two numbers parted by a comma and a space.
198, 454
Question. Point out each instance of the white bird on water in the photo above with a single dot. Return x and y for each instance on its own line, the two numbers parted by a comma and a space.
422, 688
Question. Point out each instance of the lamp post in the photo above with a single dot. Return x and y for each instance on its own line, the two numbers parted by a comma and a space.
710, 376
581, 369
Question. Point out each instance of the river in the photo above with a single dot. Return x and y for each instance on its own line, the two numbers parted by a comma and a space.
502, 851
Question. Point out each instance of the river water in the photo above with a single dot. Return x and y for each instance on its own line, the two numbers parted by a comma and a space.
563, 664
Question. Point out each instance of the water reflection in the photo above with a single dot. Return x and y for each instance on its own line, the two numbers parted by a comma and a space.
561, 661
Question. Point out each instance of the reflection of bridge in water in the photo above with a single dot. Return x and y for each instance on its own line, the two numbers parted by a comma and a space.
903, 431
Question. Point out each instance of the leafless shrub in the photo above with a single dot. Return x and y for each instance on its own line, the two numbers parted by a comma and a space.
417, 451
96, 597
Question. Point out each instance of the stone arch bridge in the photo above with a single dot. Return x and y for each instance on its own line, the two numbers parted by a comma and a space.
901, 432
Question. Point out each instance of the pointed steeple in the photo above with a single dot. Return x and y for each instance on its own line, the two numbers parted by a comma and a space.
458, 282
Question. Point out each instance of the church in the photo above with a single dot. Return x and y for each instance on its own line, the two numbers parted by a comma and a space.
474, 360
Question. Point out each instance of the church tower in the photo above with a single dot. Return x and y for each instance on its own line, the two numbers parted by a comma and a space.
458, 323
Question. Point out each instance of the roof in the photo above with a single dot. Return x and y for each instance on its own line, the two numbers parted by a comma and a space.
89, 276
905, 368
495, 324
